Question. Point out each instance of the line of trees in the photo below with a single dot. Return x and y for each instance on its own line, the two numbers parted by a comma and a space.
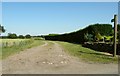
93, 32
14, 36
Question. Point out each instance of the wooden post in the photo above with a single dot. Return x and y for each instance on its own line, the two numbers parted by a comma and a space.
119, 38
115, 35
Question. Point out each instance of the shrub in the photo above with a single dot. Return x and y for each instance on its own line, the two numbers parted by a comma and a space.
21, 37
12, 36
27, 36
98, 36
118, 27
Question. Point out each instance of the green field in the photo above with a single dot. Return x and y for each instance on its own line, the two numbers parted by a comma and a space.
12, 42
12, 46
87, 54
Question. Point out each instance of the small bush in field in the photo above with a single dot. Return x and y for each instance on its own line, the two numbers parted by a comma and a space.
21, 37
27, 36
12, 36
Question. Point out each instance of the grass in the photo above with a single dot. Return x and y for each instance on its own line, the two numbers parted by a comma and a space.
7, 51
12, 40
86, 54
50, 43
0, 52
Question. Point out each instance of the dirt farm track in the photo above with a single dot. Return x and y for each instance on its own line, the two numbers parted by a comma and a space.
52, 59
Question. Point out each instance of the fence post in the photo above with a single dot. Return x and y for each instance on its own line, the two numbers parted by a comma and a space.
115, 35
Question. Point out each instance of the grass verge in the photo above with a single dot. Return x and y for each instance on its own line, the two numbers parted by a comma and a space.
87, 54
7, 51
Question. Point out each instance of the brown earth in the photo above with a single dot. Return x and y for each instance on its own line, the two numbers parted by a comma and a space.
51, 59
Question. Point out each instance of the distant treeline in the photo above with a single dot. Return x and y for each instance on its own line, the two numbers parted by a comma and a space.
14, 36
91, 33
27, 36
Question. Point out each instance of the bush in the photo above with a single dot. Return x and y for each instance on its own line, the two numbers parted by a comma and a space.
88, 37
27, 36
12, 36
21, 37
118, 27
98, 36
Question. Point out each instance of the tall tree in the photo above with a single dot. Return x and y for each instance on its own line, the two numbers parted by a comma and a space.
2, 30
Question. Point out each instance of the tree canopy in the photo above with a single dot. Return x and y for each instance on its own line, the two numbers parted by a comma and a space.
27, 36
93, 32
2, 30
12, 35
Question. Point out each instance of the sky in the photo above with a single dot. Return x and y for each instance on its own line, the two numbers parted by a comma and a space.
41, 18
60, 0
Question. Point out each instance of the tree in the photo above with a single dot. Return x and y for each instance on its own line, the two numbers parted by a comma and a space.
27, 36
2, 30
53, 34
21, 37
12, 36
115, 34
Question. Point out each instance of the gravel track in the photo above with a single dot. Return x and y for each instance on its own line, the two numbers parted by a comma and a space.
51, 59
